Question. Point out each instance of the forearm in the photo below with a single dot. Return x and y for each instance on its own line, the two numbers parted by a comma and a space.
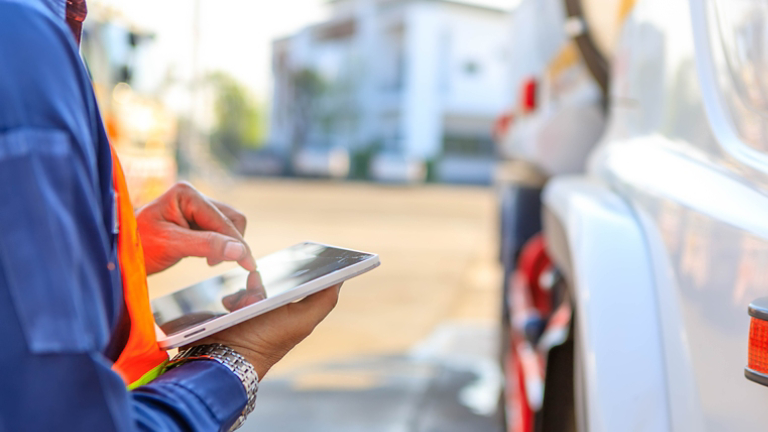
200, 395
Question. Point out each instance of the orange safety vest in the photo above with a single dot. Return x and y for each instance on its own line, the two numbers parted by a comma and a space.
141, 360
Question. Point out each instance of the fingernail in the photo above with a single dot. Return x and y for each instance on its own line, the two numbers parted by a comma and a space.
233, 251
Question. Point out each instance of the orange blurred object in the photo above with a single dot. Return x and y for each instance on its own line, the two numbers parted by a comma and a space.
141, 358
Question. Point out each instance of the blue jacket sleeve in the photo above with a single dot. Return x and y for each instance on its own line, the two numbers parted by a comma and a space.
60, 290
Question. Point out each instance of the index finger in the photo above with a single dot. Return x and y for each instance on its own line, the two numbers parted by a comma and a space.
238, 219
197, 209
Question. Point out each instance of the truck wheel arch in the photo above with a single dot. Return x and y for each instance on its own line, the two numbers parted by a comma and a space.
598, 244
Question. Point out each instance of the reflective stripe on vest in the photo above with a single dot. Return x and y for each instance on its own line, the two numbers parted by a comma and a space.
141, 360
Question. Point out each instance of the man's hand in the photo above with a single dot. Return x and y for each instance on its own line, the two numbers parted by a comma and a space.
183, 222
265, 339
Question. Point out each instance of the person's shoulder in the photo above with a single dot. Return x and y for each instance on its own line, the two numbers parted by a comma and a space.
49, 13
43, 82
32, 28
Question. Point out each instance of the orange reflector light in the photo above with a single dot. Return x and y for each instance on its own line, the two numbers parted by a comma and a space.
757, 363
758, 346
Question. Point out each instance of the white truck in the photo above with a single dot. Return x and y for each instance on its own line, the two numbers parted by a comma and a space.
652, 254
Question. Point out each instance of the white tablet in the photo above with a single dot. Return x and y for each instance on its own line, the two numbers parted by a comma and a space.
291, 274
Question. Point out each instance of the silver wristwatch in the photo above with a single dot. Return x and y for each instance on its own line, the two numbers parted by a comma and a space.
233, 361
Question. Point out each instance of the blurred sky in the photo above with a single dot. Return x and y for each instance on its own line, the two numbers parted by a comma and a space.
235, 35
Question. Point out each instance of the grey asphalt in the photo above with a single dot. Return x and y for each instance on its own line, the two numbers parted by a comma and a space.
427, 390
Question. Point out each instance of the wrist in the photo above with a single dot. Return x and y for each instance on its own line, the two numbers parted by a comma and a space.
232, 360
262, 363
261, 359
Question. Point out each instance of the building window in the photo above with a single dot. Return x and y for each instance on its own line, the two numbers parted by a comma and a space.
393, 59
336, 31
468, 145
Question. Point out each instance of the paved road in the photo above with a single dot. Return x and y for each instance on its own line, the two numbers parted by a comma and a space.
411, 345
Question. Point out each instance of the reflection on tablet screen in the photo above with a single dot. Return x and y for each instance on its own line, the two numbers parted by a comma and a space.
280, 272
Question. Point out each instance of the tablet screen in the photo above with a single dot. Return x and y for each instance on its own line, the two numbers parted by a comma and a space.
280, 272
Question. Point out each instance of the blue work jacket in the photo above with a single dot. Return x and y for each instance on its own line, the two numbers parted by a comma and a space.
60, 291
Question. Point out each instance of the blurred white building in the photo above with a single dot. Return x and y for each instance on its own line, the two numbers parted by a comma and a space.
420, 80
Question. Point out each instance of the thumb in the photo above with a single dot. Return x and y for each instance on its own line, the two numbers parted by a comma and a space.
317, 306
214, 246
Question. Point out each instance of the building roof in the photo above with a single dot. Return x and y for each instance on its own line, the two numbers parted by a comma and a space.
335, 20
455, 2
476, 6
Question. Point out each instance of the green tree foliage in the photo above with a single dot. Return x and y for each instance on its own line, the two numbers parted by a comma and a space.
239, 122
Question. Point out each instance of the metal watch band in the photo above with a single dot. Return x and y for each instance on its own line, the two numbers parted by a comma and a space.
233, 361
